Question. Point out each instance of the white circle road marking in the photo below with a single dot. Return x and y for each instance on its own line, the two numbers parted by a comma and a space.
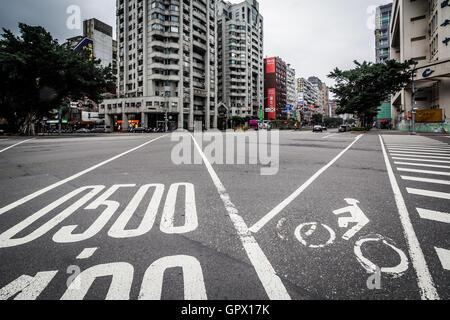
310, 231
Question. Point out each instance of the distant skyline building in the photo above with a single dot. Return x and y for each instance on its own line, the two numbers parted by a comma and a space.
291, 90
382, 32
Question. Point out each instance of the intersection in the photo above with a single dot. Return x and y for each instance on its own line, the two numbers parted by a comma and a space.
113, 217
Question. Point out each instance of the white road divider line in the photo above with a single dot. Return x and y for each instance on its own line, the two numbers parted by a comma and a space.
421, 160
439, 173
429, 193
424, 280
15, 145
417, 179
272, 214
399, 154
421, 165
421, 149
444, 257
434, 215
75, 176
273, 285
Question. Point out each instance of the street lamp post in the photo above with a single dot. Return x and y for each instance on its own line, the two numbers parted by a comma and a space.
413, 106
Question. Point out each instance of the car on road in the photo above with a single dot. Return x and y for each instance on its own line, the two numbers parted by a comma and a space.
318, 129
2, 132
265, 125
345, 128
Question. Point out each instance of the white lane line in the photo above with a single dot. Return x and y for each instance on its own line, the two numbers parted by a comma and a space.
431, 145
424, 279
272, 214
434, 215
75, 176
429, 193
444, 257
3, 150
328, 136
273, 285
419, 152
86, 253
417, 179
439, 173
421, 160
422, 165
417, 156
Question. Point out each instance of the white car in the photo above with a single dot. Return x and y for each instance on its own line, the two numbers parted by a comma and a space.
265, 125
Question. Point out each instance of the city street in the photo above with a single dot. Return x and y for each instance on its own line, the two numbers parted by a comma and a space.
345, 216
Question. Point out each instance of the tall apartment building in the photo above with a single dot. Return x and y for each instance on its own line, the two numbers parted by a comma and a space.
420, 30
325, 100
275, 80
102, 35
167, 64
382, 33
307, 97
317, 84
240, 53
291, 89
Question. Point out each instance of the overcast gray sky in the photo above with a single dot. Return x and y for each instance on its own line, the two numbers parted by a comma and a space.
314, 36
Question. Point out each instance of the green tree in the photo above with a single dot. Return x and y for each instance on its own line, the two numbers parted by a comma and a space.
38, 75
317, 118
360, 91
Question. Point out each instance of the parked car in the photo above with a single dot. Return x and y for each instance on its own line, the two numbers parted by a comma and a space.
139, 130
2, 132
83, 130
317, 129
265, 125
345, 128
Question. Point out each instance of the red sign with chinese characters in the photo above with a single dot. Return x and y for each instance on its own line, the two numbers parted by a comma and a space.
270, 65
271, 94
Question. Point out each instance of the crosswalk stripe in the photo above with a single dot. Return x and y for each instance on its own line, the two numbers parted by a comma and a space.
421, 148
418, 179
444, 257
428, 193
421, 160
419, 152
417, 156
418, 145
439, 173
434, 215
422, 165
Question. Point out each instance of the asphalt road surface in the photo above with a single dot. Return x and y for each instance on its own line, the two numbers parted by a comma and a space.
306, 216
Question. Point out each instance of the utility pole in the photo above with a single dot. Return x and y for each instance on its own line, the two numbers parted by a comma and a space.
413, 105
59, 120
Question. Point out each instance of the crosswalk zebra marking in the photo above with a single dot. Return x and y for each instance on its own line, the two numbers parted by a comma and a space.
422, 165
434, 215
428, 193
426, 180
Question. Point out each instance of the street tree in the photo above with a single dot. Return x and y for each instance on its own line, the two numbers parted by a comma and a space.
317, 118
38, 75
361, 91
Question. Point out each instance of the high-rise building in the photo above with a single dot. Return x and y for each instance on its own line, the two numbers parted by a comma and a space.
240, 54
307, 97
102, 35
167, 69
382, 33
291, 89
420, 30
325, 100
317, 84
275, 80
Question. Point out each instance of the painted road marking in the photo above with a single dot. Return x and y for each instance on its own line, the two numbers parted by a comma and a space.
417, 179
422, 165
428, 193
356, 216
417, 156
444, 257
440, 144
421, 160
87, 253
439, 173
328, 136
300, 235
273, 285
419, 153
75, 176
421, 148
434, 215
272, 214
424, 279
15, 145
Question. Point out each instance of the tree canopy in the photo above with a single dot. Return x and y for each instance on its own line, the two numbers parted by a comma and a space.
37, 75
361, 91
